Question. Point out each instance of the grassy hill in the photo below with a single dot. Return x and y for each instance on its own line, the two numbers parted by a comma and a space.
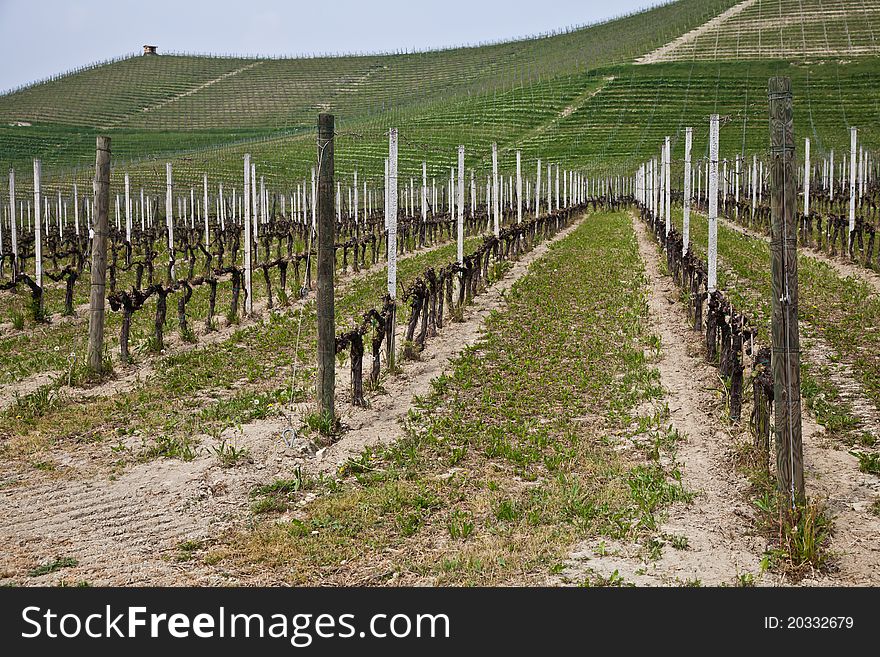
196, 101
577, 97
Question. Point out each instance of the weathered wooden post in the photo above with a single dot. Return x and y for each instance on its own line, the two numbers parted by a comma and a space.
326, 258
12, 227
783, 251
853, 137
519, 190
99, 254
460, 222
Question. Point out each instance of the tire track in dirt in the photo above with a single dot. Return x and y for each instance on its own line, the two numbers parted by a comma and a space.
127, 529
716, 523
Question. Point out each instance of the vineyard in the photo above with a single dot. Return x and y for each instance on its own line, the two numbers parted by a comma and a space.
594, 308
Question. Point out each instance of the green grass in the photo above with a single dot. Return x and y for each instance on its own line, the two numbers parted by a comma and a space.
272, 96
57, 564
530, 476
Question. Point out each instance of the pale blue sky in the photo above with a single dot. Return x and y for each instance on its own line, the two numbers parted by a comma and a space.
39, 38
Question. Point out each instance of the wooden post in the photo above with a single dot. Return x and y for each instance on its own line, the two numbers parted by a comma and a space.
99, 254
12, 226
496, 225
783, 251
519, 199
459, 251
326, 258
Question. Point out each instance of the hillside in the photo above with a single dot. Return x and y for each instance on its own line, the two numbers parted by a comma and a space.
585, 97
195, 101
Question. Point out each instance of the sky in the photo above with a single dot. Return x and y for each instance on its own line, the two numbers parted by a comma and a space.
41, 38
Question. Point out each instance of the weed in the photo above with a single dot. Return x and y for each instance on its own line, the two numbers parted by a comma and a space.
679, 542
80, 374
802, 542
461, 524
188, 335
745, 580
360, 465
868, 462
457, 454
324, 423
172, 447
281, 493
230, 455
52, 566
17, 320
651, 490
186, 548
615, 579
37, 403
507, 511
655, 548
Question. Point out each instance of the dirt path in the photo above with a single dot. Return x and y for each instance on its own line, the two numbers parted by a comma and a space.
667, 51
127, 529
716, 523
832, 475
